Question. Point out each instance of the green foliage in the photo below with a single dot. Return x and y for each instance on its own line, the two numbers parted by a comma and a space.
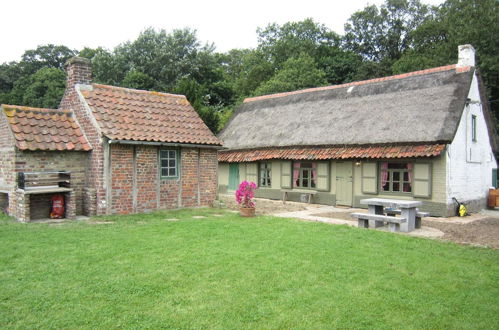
138, 80
384, 33
50, 56
297, 73
170, 270
43, 89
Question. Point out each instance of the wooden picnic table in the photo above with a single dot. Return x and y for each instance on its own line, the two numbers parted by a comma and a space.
408, 210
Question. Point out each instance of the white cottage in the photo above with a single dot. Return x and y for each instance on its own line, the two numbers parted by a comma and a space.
426, 135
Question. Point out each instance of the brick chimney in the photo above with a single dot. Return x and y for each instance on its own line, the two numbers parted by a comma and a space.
79, 71
466, 56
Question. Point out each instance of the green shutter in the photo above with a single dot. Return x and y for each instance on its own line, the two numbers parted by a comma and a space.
422, 180
369, 178
494, 177
323, 176
286, 174
252, 172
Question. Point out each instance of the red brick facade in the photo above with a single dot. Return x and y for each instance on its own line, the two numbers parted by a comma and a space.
126, 178
137, 185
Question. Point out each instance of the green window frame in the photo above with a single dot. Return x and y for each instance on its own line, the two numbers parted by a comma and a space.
168, 163
265, 174
396, 177
473, 128
305, 175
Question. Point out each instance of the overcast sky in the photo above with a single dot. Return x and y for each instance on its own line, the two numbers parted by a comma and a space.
25, 24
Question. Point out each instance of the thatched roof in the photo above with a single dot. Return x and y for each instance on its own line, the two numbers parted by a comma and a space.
419, 107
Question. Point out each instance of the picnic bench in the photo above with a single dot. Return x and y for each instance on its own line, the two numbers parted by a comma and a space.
309, 193
419, 215
393, 222
406, 208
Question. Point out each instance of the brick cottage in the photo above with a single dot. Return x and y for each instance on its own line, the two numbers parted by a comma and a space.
125, 150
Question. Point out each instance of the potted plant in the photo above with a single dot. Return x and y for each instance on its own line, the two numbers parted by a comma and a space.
244, 197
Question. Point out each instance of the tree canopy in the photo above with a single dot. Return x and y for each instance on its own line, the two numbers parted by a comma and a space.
397, 36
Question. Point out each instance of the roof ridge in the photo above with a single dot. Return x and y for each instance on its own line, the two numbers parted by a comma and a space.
361, 82
26, 108
139, 90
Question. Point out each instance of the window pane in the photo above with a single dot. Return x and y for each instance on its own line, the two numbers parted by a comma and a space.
171, 163
407, 187
171, 154
164, 172
305, 182
406, 176
386, 186
164, 163
171, 172
396, 186
163, 154
269, 182
396, 176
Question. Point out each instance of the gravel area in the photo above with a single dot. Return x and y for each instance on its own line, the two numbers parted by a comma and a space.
483, 232
476, 229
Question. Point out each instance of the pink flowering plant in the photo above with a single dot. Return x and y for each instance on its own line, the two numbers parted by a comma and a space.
245, 194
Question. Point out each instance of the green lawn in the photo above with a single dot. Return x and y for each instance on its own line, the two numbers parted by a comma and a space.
230, 272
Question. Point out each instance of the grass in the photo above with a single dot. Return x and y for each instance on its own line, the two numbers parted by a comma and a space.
229, 272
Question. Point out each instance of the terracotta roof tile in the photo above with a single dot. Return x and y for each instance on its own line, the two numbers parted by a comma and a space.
130, 114
44, 129
323, 153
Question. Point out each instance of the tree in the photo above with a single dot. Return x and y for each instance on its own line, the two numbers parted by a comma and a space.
384, 34
45, 56
291, 40
297, 73
42, 89
458, 22
138, 80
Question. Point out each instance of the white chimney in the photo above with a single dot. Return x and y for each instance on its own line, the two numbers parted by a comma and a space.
466, 56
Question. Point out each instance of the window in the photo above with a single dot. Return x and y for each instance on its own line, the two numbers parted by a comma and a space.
396, 177
168, 163
265, 174
473, 128
304, 175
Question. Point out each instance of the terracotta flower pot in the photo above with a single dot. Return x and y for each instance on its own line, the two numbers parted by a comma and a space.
247, 211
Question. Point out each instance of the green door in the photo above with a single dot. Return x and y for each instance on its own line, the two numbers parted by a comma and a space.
344, 186
233, 176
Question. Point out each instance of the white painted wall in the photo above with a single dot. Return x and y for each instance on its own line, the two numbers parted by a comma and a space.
470, 163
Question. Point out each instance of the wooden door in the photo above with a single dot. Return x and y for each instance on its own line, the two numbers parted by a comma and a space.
344, 184
233, 176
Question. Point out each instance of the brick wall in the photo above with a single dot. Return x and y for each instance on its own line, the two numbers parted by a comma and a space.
190, 177
122, 174
73, 161
137, 186
146, 178
79, 71
208, 162
6, 154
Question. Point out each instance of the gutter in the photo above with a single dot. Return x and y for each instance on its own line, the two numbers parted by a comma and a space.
166, 144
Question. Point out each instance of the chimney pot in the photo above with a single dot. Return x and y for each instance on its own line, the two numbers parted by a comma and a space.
466, 56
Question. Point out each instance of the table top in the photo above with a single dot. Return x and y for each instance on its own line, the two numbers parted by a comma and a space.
397, 203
